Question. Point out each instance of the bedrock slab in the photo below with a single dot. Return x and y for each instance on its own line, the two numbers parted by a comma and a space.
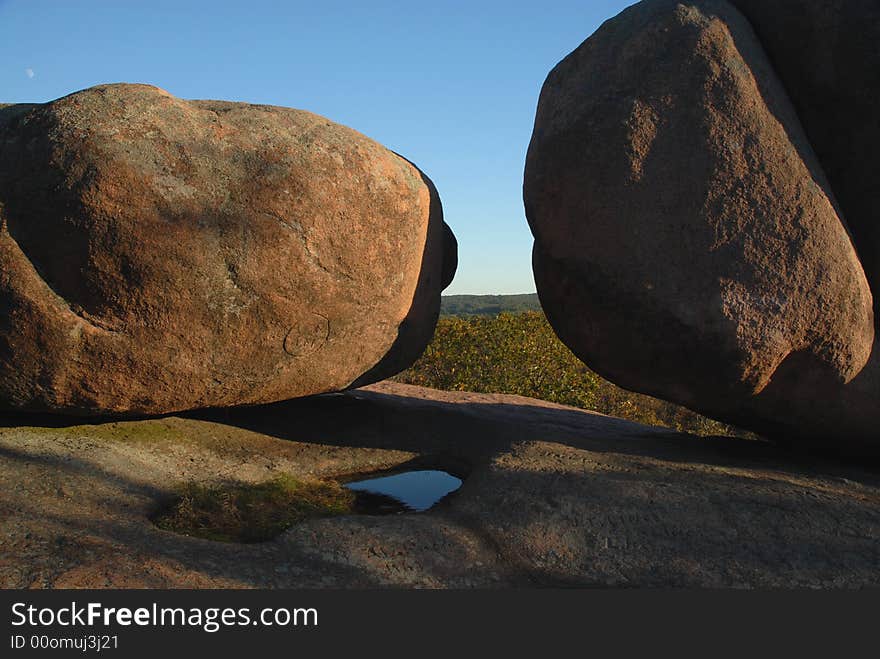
552, 496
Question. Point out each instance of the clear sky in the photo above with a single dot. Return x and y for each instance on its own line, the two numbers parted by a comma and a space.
450, 85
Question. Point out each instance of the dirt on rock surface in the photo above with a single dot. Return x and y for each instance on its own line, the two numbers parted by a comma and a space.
554, 496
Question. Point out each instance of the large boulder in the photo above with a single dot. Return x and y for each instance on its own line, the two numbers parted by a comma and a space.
687, 242
827, 54
158, 254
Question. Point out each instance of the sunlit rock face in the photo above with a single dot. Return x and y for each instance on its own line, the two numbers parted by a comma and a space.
688, 243
158, 254
826, 54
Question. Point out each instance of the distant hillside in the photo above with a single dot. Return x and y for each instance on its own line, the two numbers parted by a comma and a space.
487, 305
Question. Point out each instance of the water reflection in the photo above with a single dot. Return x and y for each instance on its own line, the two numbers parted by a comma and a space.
415, 490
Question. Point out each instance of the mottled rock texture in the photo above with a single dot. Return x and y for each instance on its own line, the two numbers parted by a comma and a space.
688, 243
827, 55
158, 254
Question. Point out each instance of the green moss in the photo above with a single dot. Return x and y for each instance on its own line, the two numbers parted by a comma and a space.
151, 431
246, 512
141, 431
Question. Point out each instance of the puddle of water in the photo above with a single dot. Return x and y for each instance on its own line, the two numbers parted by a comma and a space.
415, 490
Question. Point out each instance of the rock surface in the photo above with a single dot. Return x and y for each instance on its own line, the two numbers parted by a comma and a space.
687, 242
159, 254
826, 54
555, 497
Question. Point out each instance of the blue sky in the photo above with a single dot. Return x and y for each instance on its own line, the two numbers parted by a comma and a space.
451, 85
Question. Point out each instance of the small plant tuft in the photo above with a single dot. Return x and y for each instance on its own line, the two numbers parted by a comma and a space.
248, 512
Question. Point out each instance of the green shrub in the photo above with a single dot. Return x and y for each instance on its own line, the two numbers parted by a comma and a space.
520, 354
